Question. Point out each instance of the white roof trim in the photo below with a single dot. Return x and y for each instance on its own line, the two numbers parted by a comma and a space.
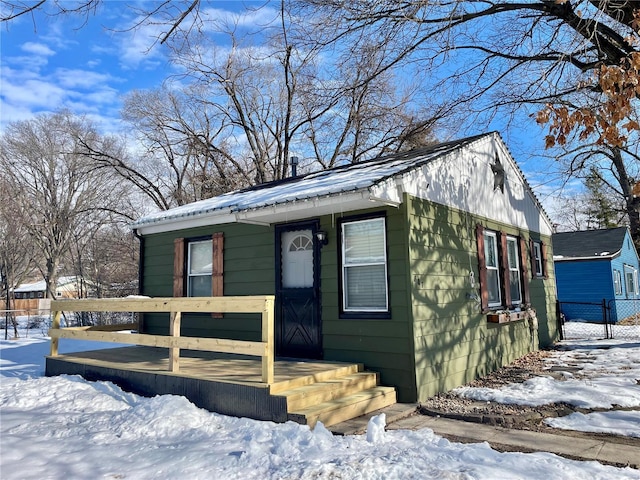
276, 213
608, 256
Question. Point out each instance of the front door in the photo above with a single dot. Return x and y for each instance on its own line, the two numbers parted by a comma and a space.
297, 328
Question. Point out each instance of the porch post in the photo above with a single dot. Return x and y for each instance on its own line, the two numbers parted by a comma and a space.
267, 339
55, 325
174, 352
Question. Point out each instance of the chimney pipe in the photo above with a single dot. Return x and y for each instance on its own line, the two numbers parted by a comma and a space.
294, 166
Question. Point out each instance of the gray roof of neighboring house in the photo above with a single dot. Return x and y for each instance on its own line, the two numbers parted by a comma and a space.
588, 243
333, 181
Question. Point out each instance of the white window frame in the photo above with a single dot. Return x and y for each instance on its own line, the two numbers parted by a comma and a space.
496, 268
629, 270
537, 254
346, 265
514, 268
191, 275
617, 282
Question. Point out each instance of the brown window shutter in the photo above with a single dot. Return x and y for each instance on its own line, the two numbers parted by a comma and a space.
524, 277
217, 268
534, 264
543, 252
482, 269
504, 269
178, 267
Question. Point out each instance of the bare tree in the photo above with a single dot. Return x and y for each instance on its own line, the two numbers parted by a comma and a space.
18, 255
57, 188
172, 14
576, 64
283, 99
185, 142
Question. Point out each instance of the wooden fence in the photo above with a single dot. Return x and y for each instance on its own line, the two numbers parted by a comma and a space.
263, 304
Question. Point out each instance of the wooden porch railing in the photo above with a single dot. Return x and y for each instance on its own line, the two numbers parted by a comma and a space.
263, 304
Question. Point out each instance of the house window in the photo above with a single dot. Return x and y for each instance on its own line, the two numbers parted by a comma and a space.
617, 282
199, 268
537, 259
364, 266
631, 280
502, 262
202, 271
493, 271
514, 271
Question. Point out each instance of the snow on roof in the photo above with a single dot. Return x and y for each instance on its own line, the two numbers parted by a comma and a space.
589, 243
41, 286
334, 181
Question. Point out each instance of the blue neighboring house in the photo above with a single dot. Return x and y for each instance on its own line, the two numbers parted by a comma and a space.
596, 265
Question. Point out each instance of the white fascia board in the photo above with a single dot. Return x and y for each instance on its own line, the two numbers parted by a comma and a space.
388, 192
170, 225
313, 207
282, 212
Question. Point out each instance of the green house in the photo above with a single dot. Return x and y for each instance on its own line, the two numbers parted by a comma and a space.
431, 267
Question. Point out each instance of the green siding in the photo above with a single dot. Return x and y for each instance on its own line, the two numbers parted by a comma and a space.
435, 339
248, 270
453, 341
382, 345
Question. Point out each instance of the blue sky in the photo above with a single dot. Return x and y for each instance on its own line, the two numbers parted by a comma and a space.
48, 63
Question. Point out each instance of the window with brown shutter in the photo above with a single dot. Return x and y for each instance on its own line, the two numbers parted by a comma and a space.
538, 259
502, 269
198, 266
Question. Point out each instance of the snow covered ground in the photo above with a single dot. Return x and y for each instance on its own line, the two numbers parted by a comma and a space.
597, 374
68, 428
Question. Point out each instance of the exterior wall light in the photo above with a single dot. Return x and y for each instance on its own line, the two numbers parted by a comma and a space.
322, 237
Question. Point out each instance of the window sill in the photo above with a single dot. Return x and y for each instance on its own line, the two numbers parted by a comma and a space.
360, 315
506, 317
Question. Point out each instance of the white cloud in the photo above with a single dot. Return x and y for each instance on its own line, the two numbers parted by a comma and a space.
37, 49
140, 48
82, 79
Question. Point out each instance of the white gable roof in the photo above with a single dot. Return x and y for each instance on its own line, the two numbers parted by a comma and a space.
380, 181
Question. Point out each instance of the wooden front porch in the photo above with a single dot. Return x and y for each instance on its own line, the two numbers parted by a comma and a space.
211, 377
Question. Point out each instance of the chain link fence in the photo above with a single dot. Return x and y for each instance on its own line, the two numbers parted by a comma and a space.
600, 320
624, 318
583, 320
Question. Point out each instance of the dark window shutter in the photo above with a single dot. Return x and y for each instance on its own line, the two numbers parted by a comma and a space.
178, 267
524, 276
543, 252
482, 269
503, 257
217, 268
534, 264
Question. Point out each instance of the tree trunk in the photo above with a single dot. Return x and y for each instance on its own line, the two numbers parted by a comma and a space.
51, 279
632, 203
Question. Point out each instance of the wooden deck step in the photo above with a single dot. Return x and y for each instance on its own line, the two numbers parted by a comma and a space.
323, 376
345, 408
313, 394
